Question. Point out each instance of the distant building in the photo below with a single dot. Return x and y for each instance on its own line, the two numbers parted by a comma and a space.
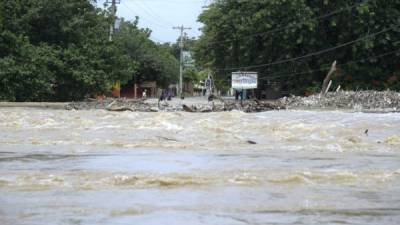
132, 90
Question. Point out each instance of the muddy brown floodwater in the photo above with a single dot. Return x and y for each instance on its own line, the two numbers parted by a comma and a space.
280, 167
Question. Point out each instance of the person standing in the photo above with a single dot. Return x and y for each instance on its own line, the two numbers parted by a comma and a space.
236, 95
144, 94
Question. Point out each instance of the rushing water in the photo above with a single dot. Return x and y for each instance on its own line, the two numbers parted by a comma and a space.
286, 167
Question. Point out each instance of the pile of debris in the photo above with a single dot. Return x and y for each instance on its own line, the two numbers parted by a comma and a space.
140, 105
360, 101
111, 104
245, 106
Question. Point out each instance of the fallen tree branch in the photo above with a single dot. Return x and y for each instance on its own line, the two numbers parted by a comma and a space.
187, 108
167, 139
120, 109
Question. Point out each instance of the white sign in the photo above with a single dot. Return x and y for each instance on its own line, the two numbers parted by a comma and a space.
117, 23
244, 80
188, 61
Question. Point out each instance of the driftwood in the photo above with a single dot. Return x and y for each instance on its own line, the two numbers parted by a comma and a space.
187, 108
206, 110
120, 109
167, 139
327, 79
251, 142
110, 107
111, 104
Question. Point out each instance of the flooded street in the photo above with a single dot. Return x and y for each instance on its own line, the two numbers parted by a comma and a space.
278, 167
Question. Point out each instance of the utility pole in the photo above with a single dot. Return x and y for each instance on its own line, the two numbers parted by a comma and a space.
116, 90
181, 45
113, 13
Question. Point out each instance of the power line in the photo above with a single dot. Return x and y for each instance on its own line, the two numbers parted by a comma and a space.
325, 16
162, 26
148, 20
151, 13
310, 54
327, 67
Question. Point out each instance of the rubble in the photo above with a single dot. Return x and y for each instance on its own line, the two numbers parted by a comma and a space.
140, 105
111, 104
360, 101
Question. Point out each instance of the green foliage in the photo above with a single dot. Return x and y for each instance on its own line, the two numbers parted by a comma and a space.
91, 70
155, 62
27, 75
237, 34
59, 51
191, 75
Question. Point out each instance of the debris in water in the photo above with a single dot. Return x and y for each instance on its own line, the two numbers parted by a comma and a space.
167, 139
187, 108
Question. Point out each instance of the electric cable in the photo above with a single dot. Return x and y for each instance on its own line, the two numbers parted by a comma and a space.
148, 20
320, 52
281, 75
150, 13
325, 16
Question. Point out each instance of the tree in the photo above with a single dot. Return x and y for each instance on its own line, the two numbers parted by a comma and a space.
254, 35
27, 75
51, 50
155, 62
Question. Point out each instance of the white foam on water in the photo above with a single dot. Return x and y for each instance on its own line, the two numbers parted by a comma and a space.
275, 166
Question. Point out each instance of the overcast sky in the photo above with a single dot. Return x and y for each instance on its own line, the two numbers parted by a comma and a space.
161, 15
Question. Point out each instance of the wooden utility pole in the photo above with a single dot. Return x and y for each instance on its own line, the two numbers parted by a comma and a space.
181, 45
325, 84
116, 89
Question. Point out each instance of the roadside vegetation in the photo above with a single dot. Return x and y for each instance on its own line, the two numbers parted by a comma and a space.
59, 51
292, 44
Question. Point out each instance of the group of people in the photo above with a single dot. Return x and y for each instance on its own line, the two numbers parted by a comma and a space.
239, 93
166, 95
